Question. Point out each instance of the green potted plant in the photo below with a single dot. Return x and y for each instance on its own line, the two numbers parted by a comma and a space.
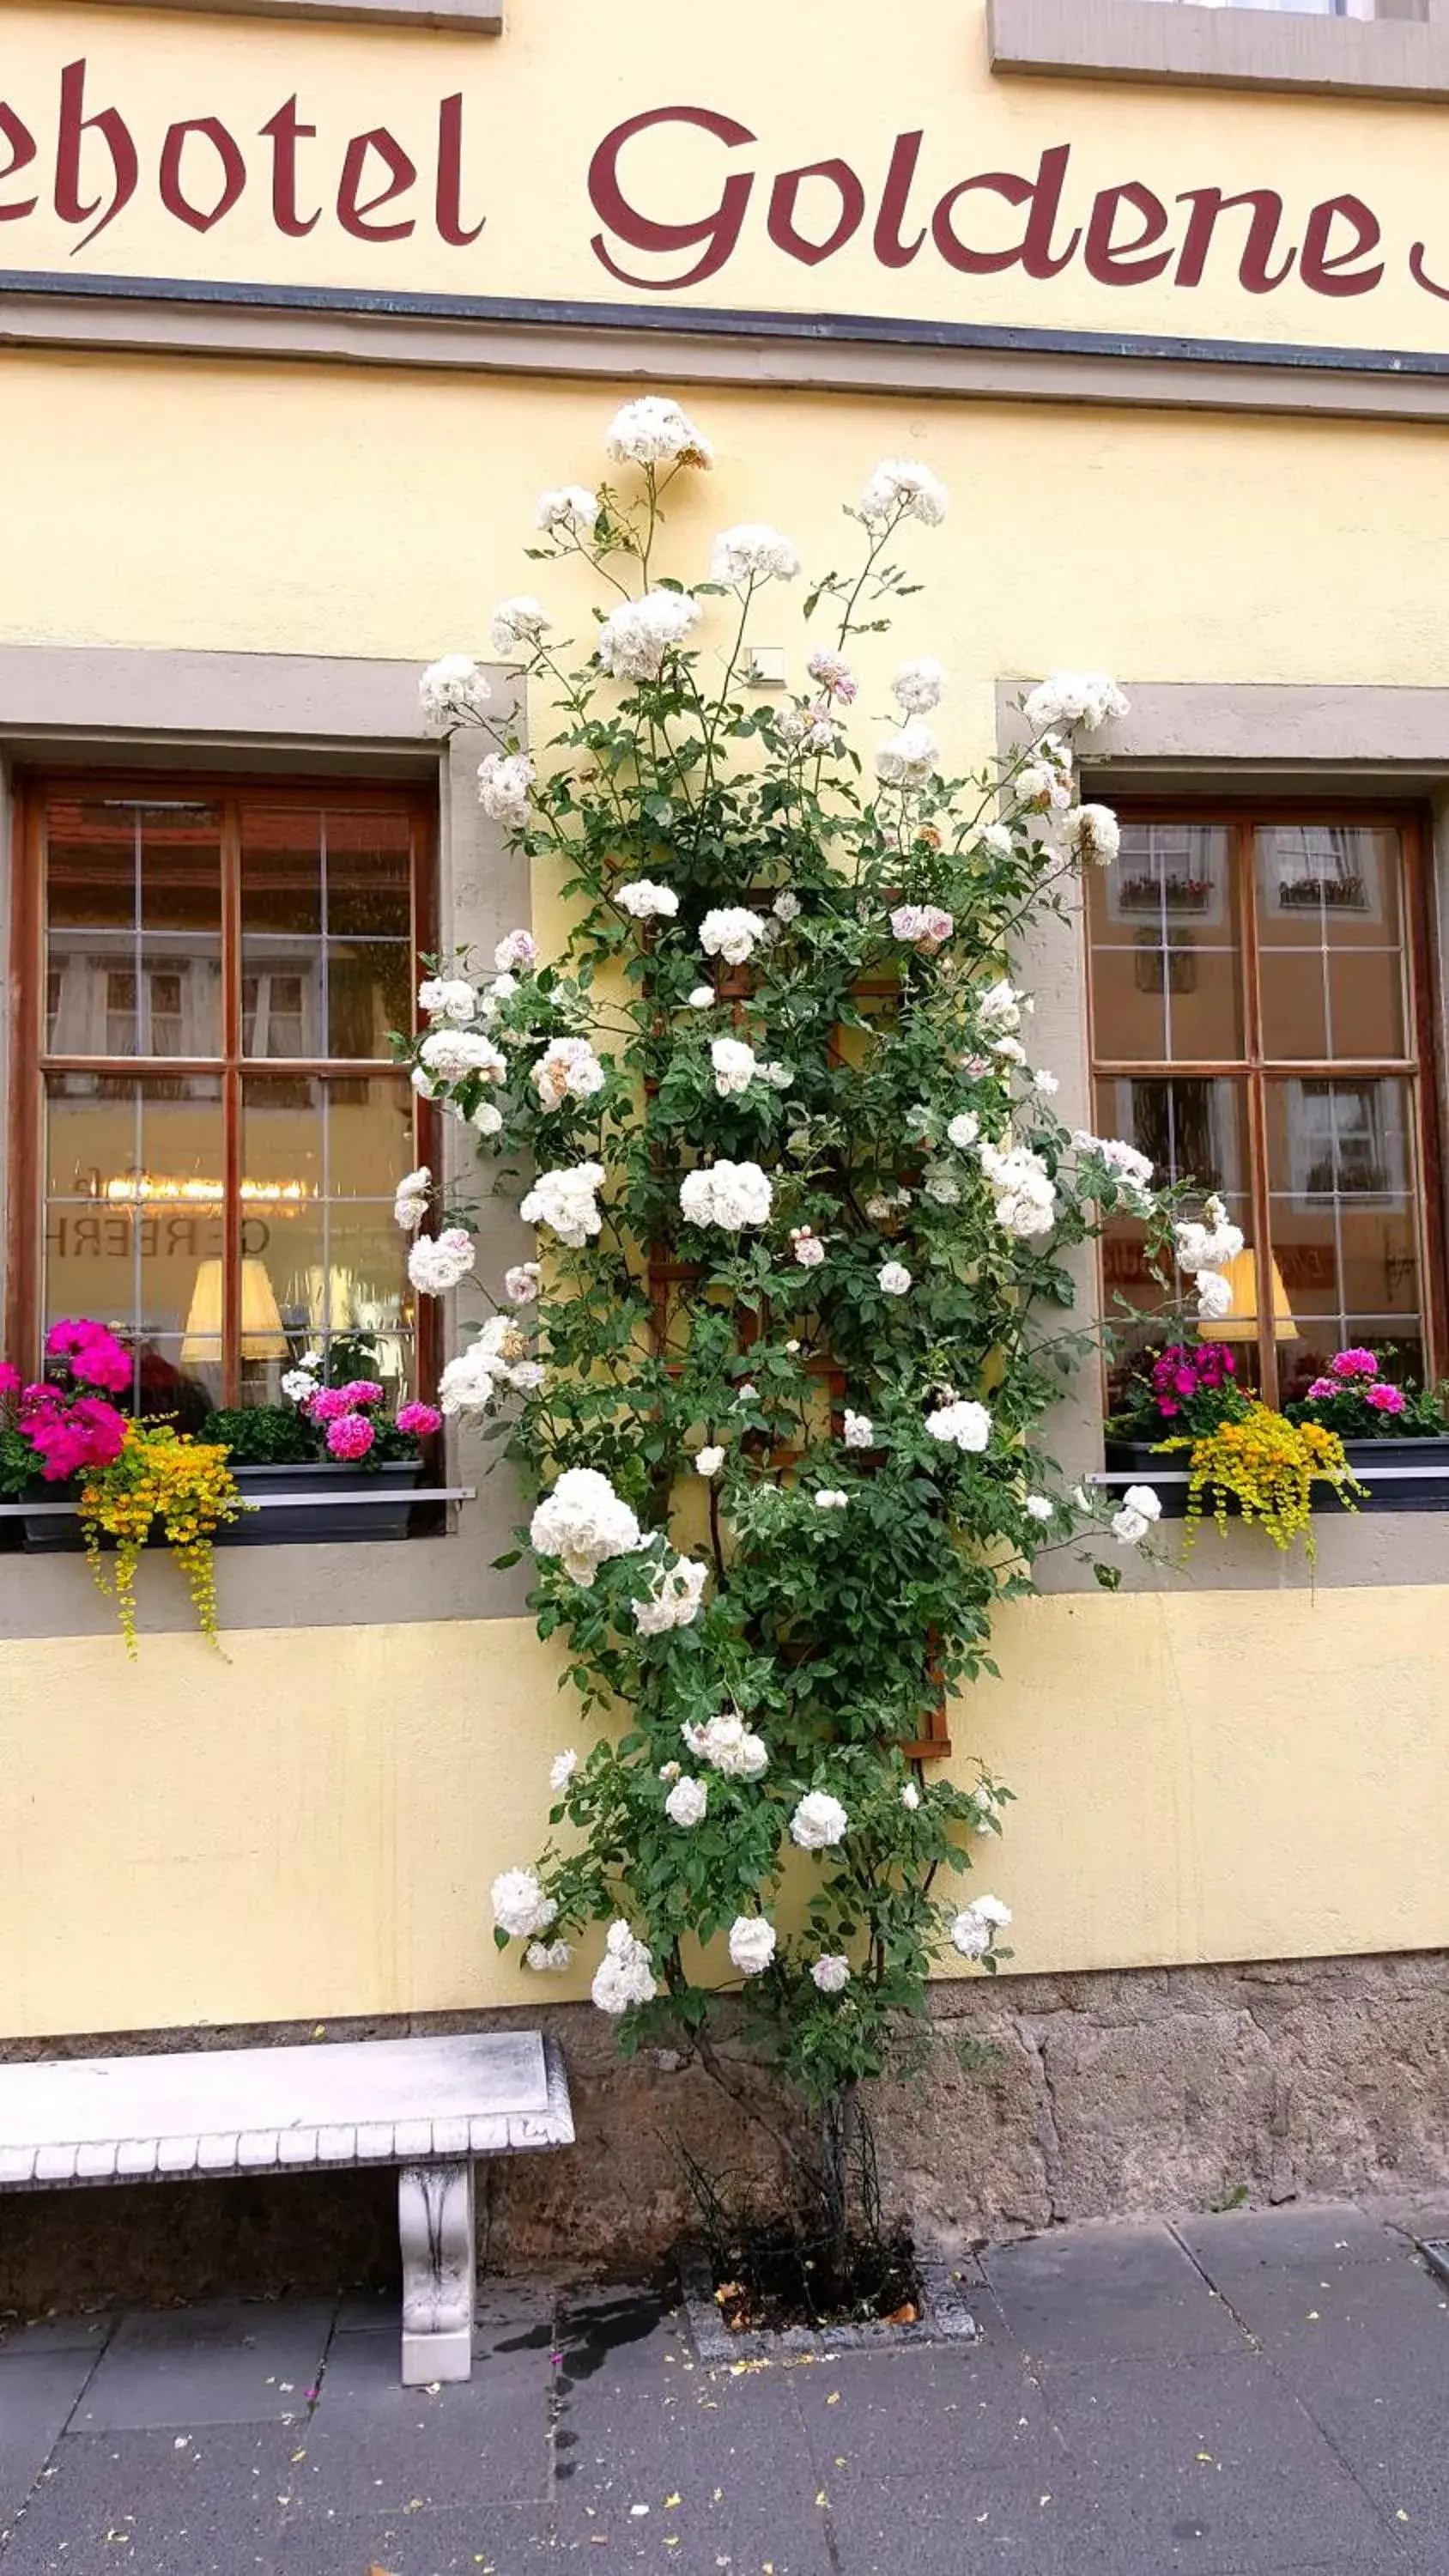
1382, 1424
333, 1436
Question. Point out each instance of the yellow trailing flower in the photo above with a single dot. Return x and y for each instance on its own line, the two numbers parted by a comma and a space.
164, 1476
1268, 1466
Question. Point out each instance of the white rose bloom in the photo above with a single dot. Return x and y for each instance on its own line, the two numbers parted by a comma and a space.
298, 1384
919, 686
832, 672
1210, 1246
504, 779
1125, 1160
437, 1263
1093, 834
561, 1770
624, 1978
752, 1944
675, 1599
830, 1499
832, 1973
786, 907
520, 1284
729, 1195
1044, 789
643, 900
819, 1822
655, 431
1039, 1507
1022, 1189
1144, 1499
637, 638
449, 999
1214, 1296
965, 1426
779, 1076
942, 1186
487, 1120
460, 1055
1010, 1048
519, 623
728, 1745
453, 692
569, 511
893, 1279
702, 998
752, 554
520, 1907
977, 1924
731, 932
687, 1802
735, 1066
901, 485
708, 1462
859, 1430
808, 1249
911, 1796
498, 1358
992, 1911
995, 840
568, 1069
584, 1523
963, 1130
1086, 698
1129, 1528
410, 1206
517, 949
909, 758
565, 1201
998, 1007
548, 1958
1045, 1085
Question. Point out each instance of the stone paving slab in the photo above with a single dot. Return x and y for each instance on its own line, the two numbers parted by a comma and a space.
915, 2413
158, 2504
1094, 2294
38, 2396
229, 2363
371, 2443
505, 2540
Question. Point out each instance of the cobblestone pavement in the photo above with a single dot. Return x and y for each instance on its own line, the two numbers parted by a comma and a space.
1245, 2395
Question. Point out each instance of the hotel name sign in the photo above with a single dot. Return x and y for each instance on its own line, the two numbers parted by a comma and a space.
245, 163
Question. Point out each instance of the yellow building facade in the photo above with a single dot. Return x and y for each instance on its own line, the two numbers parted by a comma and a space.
298, 313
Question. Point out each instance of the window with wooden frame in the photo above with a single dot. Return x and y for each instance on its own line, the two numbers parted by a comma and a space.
1260, 1025
207, 1127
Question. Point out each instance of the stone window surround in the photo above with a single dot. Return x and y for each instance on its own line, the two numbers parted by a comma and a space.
1402, 53
283, 715
452, 17
1238, 739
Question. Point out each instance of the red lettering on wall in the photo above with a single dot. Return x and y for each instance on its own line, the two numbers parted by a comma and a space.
1326, 271
1254, 274
718, 232
114, 133
449, 200
22, 153
353, 209
284, 132
233, 172
890, 249
1115, 263
783, 230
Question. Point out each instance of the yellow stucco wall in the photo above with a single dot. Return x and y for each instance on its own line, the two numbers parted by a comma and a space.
310, 1829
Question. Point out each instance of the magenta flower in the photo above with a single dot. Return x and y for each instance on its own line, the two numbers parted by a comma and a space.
1322, 1388
9, 1382
68, 1438
360, 1392
1384, 1398
420, 1421
1356, 1363
350, 1435
328, 1404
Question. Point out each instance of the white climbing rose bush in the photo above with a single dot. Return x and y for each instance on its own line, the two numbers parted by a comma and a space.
776, 1383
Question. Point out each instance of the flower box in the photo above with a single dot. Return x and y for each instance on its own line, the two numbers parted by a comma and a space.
383, 1515
1148, 1465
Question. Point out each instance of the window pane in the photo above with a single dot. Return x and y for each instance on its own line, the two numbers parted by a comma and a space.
1166, 977
321, 1160
1331, 940
1193, 1129
283, 998
369, 992
1344, 1200
369, 877
133, 928
281, 871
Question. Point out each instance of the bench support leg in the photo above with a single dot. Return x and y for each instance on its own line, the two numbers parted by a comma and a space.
435, 2222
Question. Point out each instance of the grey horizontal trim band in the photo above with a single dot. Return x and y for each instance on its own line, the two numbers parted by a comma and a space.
455, 17
1400, 53
842, 353
290, 1502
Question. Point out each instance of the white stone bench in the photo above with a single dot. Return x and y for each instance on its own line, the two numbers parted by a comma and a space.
430, 2106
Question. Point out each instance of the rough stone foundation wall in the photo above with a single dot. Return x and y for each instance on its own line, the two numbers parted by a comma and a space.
1043, 2099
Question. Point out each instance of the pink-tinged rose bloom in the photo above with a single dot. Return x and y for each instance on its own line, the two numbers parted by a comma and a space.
420, 1421
359, 1393
1357, 1363
328, 1404
1384, 1398
350, 1435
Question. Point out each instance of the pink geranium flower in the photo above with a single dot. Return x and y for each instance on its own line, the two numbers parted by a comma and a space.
350, 1435
9, 1382
1322, 1388
328, 1404
93, 1355
1384, 1398
1355, 1363
360, 1392
420, 1421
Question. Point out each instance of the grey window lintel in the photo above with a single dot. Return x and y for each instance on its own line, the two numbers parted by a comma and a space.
454, 17
1393, 56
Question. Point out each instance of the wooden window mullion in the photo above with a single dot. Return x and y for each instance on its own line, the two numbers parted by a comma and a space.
231, 1042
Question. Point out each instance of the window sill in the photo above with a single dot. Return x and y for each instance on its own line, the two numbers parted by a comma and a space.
1225, 48
282, 1513
1399, 1475
452, 17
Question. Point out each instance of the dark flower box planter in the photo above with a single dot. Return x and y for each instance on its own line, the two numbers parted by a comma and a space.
384, 1514
1397, 1493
